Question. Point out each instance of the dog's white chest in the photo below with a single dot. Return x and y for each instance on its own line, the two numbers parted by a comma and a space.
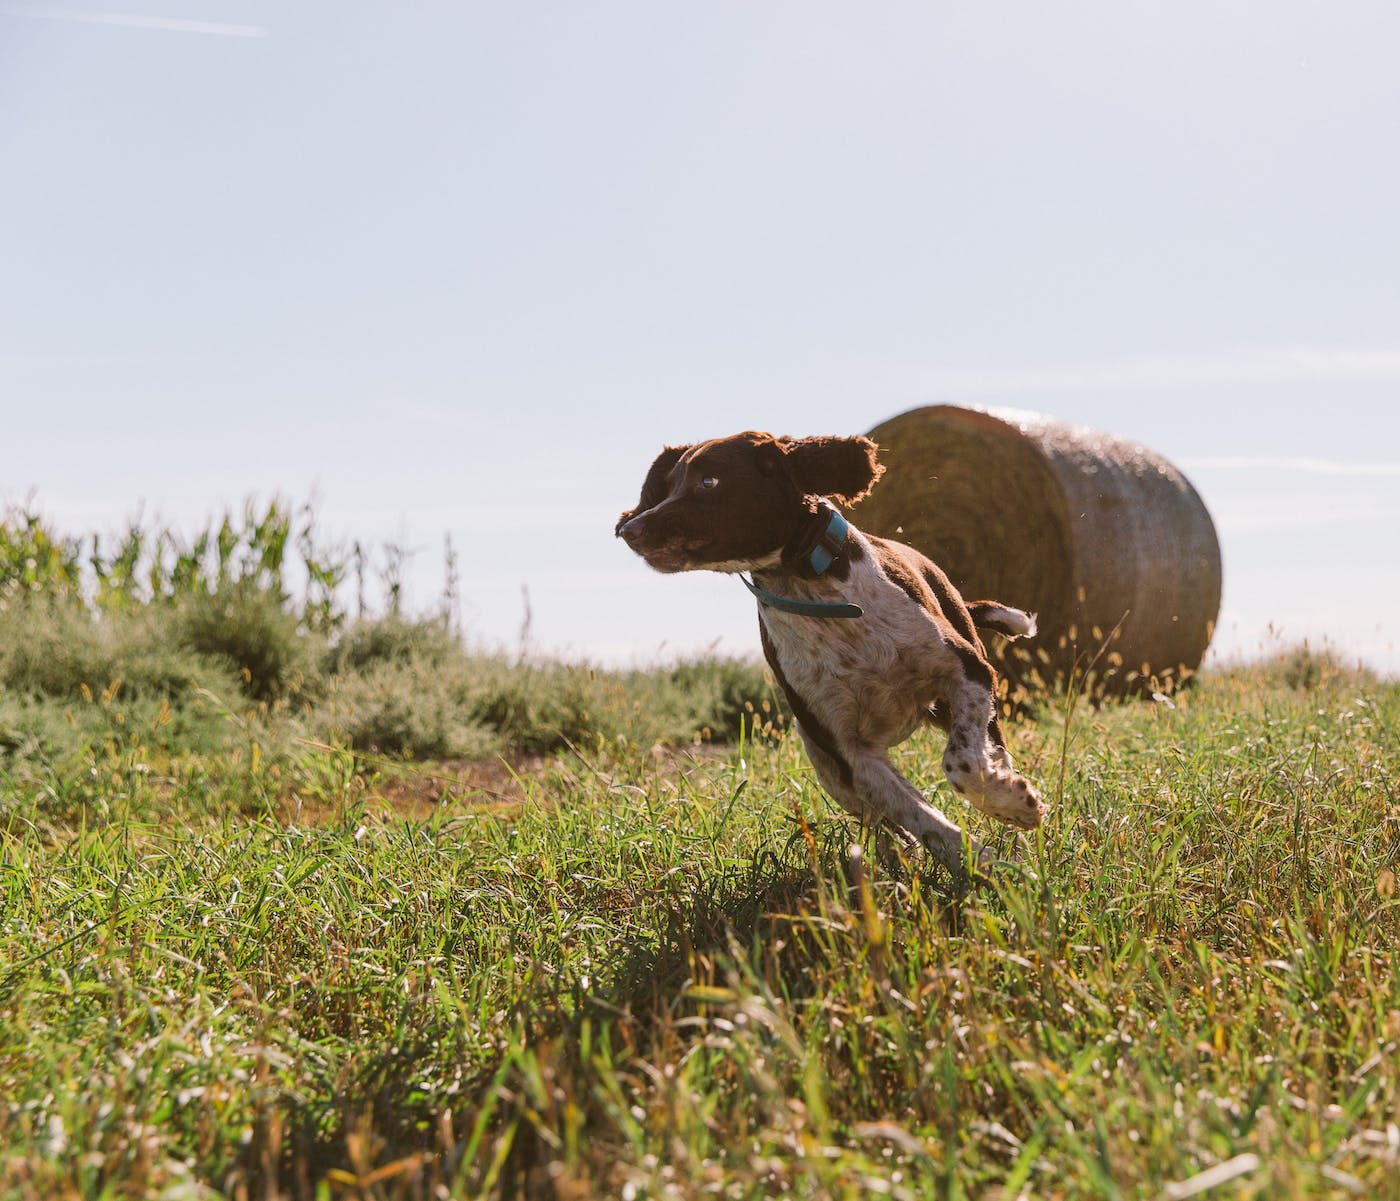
874, 675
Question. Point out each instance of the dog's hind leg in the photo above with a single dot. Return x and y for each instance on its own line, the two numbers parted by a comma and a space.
978, 766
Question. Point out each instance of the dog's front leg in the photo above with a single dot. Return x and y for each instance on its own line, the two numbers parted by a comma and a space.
885, 791
868, 786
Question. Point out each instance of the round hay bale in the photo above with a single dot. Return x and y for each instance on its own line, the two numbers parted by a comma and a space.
1103, 539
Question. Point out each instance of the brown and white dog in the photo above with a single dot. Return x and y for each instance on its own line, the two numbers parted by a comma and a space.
866, 637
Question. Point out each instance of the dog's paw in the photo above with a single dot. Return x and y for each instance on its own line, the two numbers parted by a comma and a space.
1029, 812
1012, 800
985, 866
965, 872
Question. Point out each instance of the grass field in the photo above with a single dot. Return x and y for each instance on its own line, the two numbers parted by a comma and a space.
240, 955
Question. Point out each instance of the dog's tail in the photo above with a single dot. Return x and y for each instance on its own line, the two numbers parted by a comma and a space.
990, 615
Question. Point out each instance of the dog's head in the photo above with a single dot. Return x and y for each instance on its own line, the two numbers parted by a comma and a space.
733, 504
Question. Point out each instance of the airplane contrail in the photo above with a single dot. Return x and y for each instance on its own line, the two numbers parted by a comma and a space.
220, 29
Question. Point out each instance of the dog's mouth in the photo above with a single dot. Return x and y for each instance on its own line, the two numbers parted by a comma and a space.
674, 556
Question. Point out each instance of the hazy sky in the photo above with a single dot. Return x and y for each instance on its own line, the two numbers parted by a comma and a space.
464, 268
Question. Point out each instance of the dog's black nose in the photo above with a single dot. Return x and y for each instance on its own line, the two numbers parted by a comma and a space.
630, 530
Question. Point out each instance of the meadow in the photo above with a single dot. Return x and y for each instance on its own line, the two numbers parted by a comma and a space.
299, 899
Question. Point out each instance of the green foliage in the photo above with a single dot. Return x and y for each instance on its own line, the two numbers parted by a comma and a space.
61, 651
248, 630
149, 613
728, 698
142, 564
160, 616
33, 559
408, 709
1308, 667
420, 695
391, 640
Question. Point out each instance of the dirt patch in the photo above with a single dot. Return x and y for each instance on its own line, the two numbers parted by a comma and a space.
415, 792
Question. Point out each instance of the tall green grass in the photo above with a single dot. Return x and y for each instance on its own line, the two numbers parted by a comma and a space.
651, 980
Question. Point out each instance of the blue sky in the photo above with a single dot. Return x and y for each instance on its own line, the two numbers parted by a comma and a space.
464, 268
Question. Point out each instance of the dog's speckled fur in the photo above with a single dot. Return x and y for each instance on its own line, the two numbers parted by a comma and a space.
753, 503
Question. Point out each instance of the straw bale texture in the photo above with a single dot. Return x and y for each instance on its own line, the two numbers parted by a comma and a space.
1102, 538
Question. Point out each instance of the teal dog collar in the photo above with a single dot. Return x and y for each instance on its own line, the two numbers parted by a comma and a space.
829, 545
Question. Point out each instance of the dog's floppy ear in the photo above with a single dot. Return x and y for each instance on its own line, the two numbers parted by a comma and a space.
654, 487
844, 469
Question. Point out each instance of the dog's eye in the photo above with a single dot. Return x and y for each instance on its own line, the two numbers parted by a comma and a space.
709, 482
